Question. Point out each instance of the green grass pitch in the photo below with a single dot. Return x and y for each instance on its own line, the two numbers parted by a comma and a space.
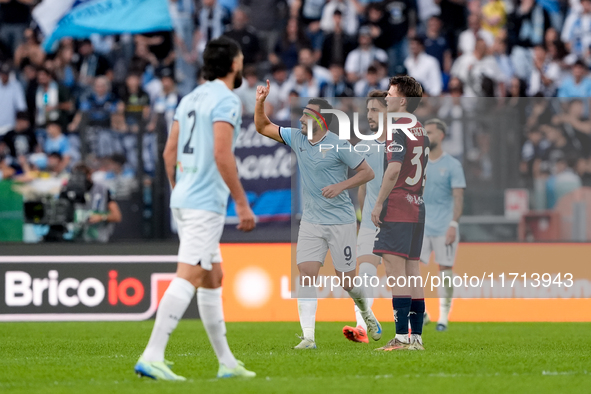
469, 358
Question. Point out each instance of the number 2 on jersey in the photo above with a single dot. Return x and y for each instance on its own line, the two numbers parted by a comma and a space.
187, 149
416, 160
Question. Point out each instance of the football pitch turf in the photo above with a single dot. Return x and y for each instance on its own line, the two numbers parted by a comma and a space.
469, 358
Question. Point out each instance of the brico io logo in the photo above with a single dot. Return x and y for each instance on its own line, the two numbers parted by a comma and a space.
21, 289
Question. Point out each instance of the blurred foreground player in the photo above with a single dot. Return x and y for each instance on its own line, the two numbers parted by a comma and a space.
399, 213
201, 168
373, 152
444, 198
328, 219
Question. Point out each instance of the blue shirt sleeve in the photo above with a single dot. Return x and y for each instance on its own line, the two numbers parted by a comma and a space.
396, 150
64, 147
228, 110
458, 181
349, 156
285, 133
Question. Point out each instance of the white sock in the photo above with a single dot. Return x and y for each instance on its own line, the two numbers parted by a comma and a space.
307, 304
366, 272
172, 307
211, 312
357, 294
403, 338
445, 296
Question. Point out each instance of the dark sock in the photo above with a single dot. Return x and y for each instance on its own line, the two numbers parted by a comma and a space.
417, 312
401, 306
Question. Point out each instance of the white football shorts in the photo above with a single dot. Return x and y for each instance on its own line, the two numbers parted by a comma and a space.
445, 255
199, 234
315, 240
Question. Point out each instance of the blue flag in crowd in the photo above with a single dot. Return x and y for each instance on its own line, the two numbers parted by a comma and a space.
81, 18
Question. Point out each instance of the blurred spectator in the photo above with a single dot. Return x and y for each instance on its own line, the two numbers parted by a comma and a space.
89, 64
453, 17
532, 152
424, 68
161, 45
15, 16
337, 85
30, 49
52, 100
57, 142
369, 83
494, 16
452, 111
246, 36
6, 170
337, 45
166, 101
307, 10
135, 103
363, 56
21, 141
499, 52
247, 92
12, 99
303, 83
119, 178
268, 18
28, 78
182, 13
576, 124
306, 58
527, 27
288, 47
278, 79
474, 69
349, 21
64, 70
381, 27
426, 10
99, 105
436, 44
545, 74
576, 32
578, 84
468, 38
213, 20
563, 180
403, 18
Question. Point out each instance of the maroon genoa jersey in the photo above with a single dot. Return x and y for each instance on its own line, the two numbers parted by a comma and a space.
405, 202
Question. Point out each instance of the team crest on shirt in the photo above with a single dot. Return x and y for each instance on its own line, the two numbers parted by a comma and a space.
417, 200
442, 171
324, 151
395, 148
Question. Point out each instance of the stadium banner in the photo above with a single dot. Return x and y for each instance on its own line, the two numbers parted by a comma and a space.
265, 168
257, 286
81, 18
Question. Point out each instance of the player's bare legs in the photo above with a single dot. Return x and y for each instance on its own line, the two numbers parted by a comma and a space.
368, 268
308, 302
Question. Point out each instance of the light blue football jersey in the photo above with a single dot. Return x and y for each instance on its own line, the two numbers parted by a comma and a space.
321, 168
374, 154
443, 175
199, 184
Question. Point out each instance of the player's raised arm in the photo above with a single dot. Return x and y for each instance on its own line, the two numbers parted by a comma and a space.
170, 153
389, 181
226, 163
262, 123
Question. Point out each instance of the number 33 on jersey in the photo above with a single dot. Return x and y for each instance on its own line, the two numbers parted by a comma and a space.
405, 203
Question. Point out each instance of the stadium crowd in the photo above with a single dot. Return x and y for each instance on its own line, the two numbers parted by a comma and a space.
99, 92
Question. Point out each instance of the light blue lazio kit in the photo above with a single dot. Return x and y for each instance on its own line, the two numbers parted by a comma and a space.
322, 164
374, 154
443, 175
199, 184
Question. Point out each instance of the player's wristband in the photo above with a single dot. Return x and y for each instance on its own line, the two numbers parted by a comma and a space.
453, 224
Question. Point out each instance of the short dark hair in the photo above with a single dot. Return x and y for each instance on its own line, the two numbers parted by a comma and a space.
57, 155
218, 57
322, 104
438, 123
410, 88
378, 95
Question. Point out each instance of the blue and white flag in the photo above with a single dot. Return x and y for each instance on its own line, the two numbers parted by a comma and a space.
81, 18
